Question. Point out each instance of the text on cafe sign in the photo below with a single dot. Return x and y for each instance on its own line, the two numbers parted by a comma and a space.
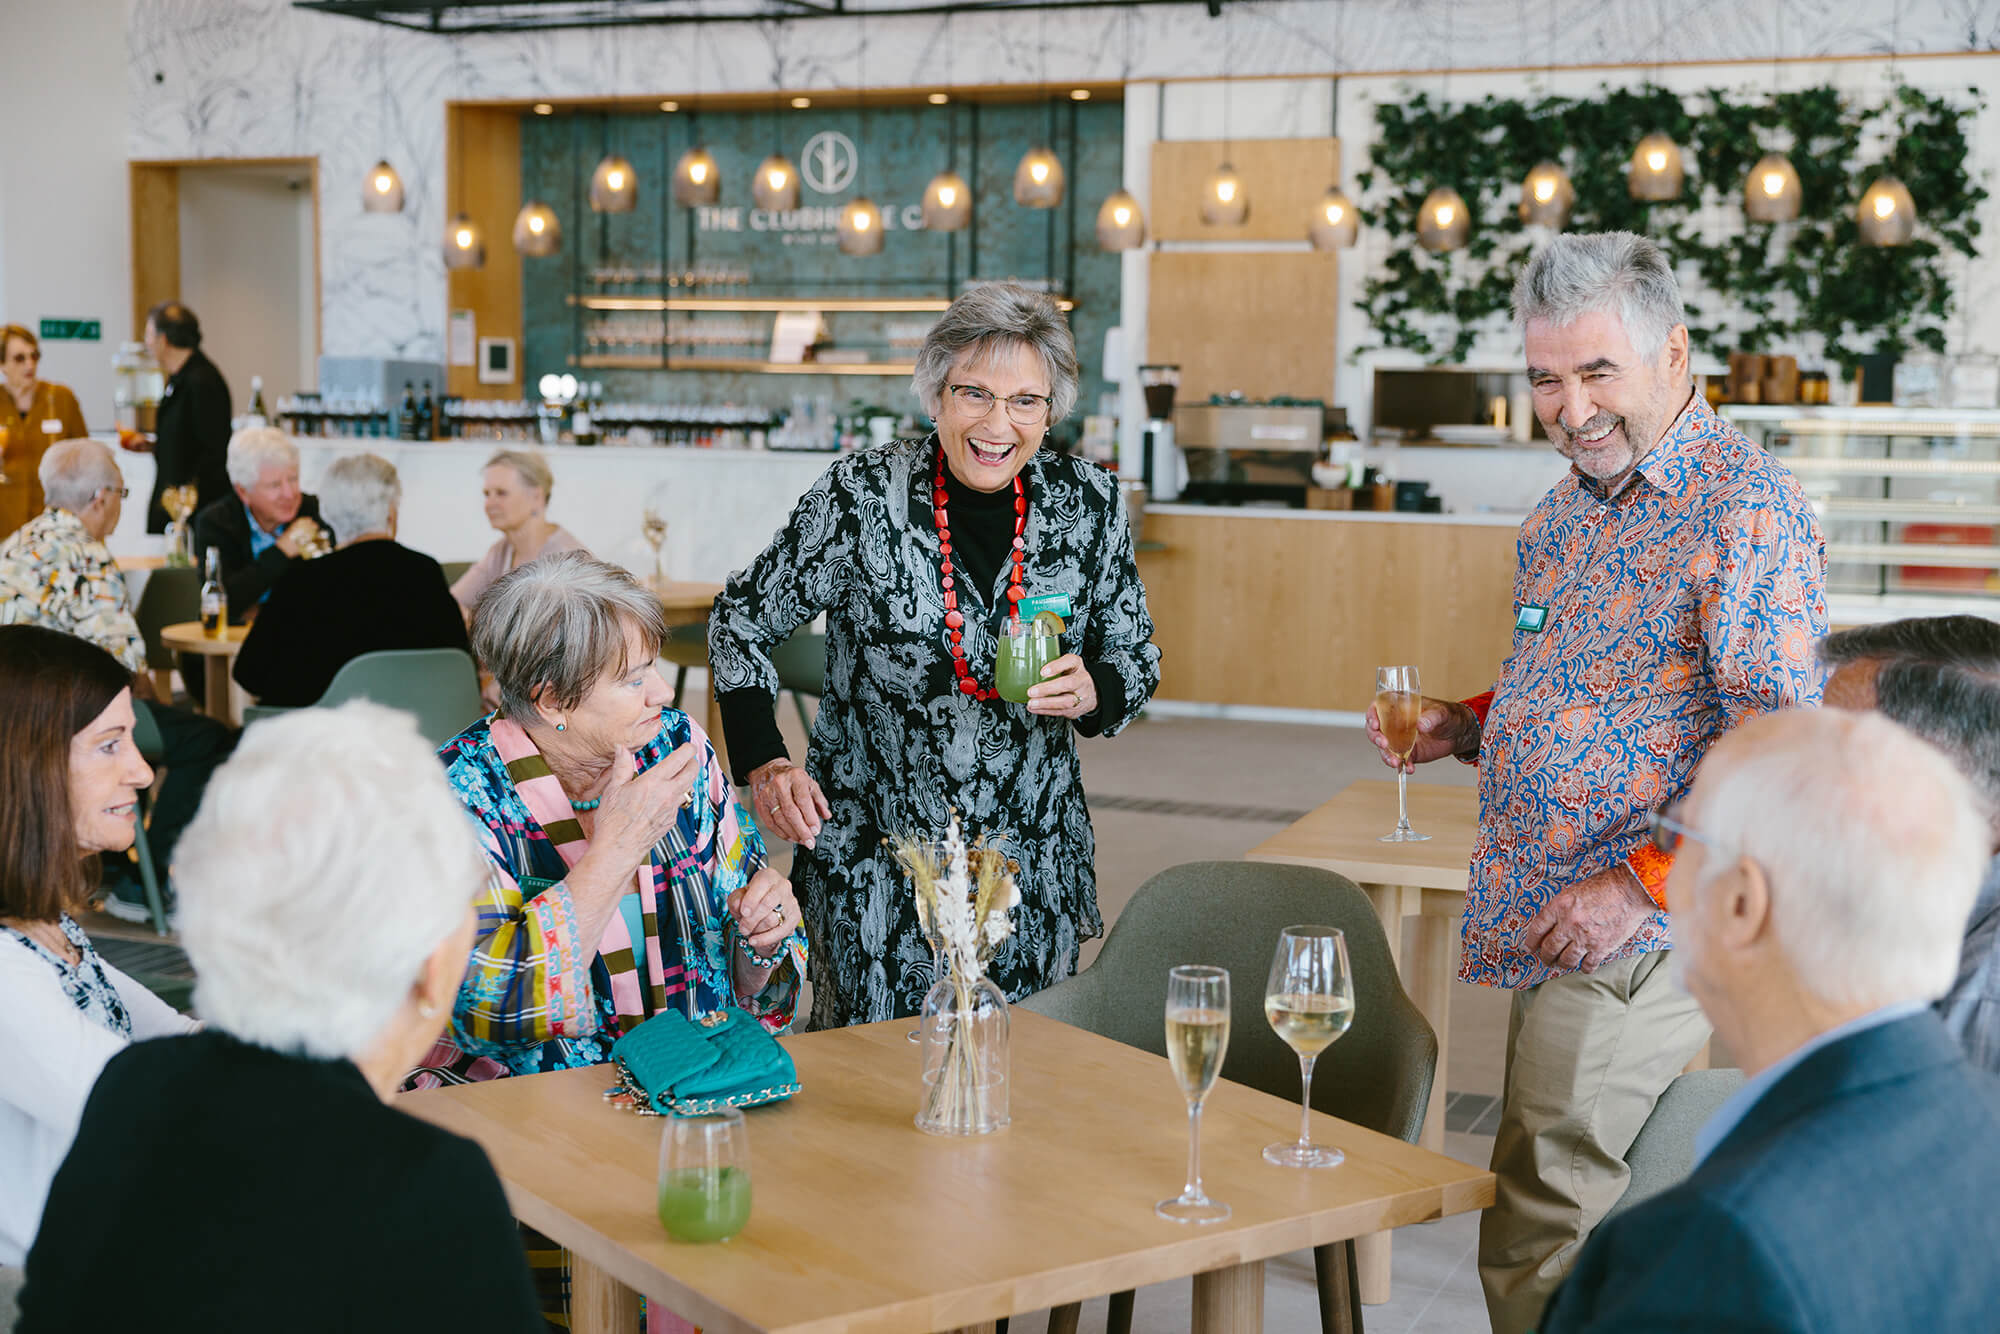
828, 164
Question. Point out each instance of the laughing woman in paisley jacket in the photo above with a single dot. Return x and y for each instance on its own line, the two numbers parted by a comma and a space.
915, 552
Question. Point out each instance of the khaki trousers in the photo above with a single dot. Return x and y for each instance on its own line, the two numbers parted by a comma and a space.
1587, 1057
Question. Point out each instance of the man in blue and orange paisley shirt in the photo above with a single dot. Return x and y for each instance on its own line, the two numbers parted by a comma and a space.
1670, 587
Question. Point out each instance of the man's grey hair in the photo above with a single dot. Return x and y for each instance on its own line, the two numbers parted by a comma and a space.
256, 448
304, 937
357, 494
1616, 273
1873, 843
74, 471
1956, 710
990, 318
558, 624
1971, 642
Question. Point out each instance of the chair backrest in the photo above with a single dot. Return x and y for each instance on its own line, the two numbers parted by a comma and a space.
801, 662
172, 594
1663, 1154
439, 685
1229, 914
454, 570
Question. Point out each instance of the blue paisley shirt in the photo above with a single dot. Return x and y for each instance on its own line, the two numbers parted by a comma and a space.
1687, 602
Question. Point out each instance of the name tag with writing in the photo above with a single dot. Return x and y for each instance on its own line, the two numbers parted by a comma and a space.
1055, 602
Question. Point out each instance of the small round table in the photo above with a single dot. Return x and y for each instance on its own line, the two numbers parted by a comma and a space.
222, 698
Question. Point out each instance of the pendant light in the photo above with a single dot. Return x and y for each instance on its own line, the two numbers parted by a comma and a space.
382, 190
464, 247
1334, 224
860, 228
776, 185
1657, 170
1547, 196
1038, 179
1888, 216
537, 230
1224, 201
696, 181
614, 186
1121, 225
1771, 194
1443, 223
947, 199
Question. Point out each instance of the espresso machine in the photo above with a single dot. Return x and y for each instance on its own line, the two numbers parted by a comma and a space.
1162, 468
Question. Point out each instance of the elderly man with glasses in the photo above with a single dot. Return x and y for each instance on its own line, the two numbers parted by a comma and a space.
1668, 589
1826, 863
57, 573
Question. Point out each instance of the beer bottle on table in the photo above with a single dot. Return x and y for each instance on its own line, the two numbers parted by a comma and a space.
214, 601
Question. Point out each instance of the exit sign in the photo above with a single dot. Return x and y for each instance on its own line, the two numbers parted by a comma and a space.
86, 331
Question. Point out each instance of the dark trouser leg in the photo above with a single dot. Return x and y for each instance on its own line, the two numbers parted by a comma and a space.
194, 745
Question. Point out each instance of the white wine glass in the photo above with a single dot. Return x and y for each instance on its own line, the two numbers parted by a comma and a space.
1399, 703
653, 526
1197, 1039
1309, 1000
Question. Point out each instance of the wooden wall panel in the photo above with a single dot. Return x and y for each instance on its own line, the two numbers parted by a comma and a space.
483, 178
1298, 613
156, 237
1283, 177
1260, 322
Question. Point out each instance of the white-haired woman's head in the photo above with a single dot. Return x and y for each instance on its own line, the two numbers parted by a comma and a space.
325, 884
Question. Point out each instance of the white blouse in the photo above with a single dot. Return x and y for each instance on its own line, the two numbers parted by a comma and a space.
51, 1053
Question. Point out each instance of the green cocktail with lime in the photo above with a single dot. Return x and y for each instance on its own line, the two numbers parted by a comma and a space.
1025, 648
704, 1203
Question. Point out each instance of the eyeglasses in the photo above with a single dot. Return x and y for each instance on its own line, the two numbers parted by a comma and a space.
1022, 409
120, 491
1667, 832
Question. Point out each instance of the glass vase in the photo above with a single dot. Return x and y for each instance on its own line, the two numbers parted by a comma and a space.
965, 1026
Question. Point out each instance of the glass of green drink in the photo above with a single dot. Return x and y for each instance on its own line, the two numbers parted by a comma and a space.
705, 1176
1025, 648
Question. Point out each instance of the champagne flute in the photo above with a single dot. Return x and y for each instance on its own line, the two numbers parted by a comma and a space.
653, 526
1197, 1038
1399, 703
1309, 1000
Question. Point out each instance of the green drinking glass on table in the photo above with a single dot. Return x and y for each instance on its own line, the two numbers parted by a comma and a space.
704, 1188
1025, 648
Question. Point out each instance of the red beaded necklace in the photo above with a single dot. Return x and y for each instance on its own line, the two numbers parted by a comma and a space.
954, 620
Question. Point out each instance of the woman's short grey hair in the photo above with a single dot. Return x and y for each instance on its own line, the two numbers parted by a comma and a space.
529, 466
256, 448
72, 472
558, 624
1874, 846
984, 320
357, 493
1619, 273
328, 862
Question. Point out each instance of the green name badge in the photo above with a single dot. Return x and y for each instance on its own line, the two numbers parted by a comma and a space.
1531, 618
1041, 602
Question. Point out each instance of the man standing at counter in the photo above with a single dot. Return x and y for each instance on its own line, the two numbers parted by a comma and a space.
191, 437
1669, 588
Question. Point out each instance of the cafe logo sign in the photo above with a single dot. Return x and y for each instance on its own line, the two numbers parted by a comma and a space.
829, 162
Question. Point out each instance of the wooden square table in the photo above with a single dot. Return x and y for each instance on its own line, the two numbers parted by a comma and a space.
1425, 881
862, 1224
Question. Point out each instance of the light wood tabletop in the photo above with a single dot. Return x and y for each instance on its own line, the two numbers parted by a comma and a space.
221, 697
862, 1224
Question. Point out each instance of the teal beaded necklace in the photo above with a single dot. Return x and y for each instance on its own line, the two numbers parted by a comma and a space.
590, 805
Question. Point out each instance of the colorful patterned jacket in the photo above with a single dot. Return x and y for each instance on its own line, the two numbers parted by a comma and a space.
54, 574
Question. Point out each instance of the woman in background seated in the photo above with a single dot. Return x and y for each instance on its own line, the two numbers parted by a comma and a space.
370, 593
516, 489
69, 782
259, 1166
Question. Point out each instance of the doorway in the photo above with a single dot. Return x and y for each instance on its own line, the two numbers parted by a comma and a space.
236, 241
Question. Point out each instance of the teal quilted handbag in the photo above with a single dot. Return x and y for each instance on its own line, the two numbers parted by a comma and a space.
671, 1064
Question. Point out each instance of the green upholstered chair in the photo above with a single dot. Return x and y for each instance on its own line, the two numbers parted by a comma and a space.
454, 570
172, 594
1663, 1154
438, 685
1229, 914
152, 749
801, 664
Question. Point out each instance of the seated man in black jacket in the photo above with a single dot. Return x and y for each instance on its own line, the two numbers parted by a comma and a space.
267, 526
372, 593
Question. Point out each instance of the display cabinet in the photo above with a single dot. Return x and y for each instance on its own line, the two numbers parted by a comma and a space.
1909, 498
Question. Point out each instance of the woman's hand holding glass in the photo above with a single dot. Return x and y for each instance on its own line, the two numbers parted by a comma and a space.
788, 802
1066, 690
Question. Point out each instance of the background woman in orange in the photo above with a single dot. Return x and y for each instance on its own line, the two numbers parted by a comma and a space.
34, 414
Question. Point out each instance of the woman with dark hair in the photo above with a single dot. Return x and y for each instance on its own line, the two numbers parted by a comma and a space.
70, 775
